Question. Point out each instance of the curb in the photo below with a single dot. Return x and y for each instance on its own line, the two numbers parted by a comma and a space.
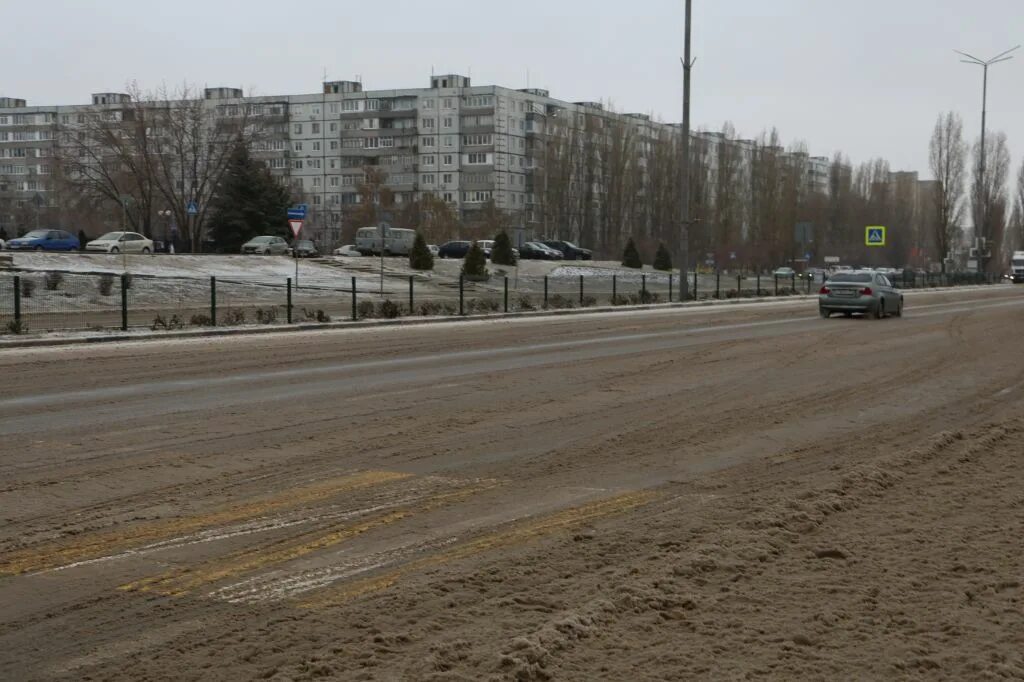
417, 321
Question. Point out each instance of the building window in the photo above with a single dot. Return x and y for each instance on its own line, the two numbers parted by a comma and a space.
372, 105
316, 109
316, 182
297, 146
477, 140
448, 121
333, 107
372, 143
429, 160
313, 163
428, 142
428, 104
352, 143
449, 141
476, 197
446, 178
316, 128
427, 178
449, 160
334, 145
316, 146
448, 104
350, 105
387, 142
333, 127
476, 158
297, 164
298, 128
428, 123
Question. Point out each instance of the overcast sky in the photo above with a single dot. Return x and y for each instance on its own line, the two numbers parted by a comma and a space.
867, 77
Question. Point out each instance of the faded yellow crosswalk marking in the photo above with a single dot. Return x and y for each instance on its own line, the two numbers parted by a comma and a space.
182, 581
99, 544
547, 525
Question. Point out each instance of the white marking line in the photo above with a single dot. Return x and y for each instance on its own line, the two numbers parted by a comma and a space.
278, 585
194, 384
261, 525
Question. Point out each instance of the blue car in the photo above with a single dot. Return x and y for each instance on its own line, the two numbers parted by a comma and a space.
45, 240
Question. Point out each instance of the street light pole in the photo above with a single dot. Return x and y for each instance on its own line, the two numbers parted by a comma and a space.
684, 169
981, 232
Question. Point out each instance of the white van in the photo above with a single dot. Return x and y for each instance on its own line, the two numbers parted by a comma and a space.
397, 242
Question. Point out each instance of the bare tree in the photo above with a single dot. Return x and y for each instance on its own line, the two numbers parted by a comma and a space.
1017, 235
947, 159
989, 201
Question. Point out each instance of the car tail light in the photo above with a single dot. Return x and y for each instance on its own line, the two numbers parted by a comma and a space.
825, 290
866, 291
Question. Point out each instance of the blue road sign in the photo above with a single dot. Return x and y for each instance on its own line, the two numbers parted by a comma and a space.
297, 212
874, 235
192, 208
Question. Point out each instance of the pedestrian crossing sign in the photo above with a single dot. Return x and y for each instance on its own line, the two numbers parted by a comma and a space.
874, 235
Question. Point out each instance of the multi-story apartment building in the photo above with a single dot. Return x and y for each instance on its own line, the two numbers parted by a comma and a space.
466, 144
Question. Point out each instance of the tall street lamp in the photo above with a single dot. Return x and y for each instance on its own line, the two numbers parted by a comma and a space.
984, 64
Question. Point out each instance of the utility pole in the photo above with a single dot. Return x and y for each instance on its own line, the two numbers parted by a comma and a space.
684, 169
981, 232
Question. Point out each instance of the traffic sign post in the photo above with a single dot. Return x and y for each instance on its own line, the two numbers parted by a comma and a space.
296, 225
874, 235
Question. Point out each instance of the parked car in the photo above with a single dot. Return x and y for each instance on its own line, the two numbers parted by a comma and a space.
397, 241
45, 240
118, 242
347, 250
538, 251
487, 245
569, 250
860, 291
784, 273
454, 249
433, 248
266, 246
304, 248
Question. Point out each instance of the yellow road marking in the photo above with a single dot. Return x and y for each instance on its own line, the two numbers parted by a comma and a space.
181, 581
99, 544
518, 535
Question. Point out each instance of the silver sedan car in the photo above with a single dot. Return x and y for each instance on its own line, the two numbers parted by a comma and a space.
861, 291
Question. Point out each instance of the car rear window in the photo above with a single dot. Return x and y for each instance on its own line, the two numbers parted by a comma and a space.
851, 278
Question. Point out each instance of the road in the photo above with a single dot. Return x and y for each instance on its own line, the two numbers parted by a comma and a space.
709, 493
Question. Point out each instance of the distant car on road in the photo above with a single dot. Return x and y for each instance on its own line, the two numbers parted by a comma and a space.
860, 291
569, 250
397, 241
347, 250
266, 246
305, 248
45, 240
454, 249
121, 242
538, 251
784, 273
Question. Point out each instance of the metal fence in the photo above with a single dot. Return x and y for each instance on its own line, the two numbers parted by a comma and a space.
56, 301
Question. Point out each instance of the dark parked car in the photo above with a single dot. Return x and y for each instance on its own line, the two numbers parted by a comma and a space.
538, 251
45, 240
569, 250
305, 248
457, 249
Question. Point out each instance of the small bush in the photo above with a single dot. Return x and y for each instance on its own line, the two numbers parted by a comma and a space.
558, 301
630, 256
233, 318
619, 299
15, 327
588, 302
106, 285
317, 315
501, 253
160, 323
428, 308
474, 267
420, 257
28, 287
53, 280
525, 303
268, 316
482, 305
366, 310
200, 320
389, 310
662, 259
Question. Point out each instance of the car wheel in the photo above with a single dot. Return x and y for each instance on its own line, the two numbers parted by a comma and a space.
899, 309
825, 313
847, 313
880, 310
38, 248
115, 250
146, 250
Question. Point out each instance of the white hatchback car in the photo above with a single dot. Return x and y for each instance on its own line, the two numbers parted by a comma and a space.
347, 250
118, 242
